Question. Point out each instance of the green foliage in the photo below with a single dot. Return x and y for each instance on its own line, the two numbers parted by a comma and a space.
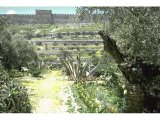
50, 58
5, 45
25, 54
135, 29
93, 97
29, 35
108, 71
105, 63
136, 34
42, 29
3, 23
77, 69
15, 53
15, 74
13, 97
69, 103
35, 72
95, 59
87, 101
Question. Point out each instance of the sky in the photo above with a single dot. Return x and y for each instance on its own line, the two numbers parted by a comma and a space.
31, 10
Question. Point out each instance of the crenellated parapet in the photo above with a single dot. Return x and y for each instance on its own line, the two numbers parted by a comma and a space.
64, 15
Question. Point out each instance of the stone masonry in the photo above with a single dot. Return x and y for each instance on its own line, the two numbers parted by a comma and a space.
44, 17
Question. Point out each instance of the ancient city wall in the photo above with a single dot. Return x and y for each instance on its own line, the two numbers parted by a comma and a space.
20, 19
41, 17
46, 17
64, 18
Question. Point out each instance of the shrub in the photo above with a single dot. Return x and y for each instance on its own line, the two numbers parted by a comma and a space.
95, 60
35, 72
106, 65
77, 69
84, 99
50, 58
13, 96
15, 73
93, 97
110, 92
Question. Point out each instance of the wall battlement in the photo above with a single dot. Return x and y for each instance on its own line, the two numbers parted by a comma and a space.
64, 14
41, 17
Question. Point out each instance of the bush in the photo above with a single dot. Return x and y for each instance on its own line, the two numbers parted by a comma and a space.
84, 99
106, 65
35, 72
15, 73
50, 58
93, 97
13, 96
76, 68
100, 70
95, 59
109, 95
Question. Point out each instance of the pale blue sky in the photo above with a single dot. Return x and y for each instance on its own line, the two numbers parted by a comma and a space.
31, 10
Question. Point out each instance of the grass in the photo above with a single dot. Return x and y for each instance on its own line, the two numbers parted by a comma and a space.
46, 28
80, 28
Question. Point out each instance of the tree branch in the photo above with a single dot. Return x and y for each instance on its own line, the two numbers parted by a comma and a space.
111, 47
148, 73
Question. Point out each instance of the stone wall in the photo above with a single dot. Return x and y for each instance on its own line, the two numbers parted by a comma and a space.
64, 18
41, 17
44, 16
68, 42
20, 19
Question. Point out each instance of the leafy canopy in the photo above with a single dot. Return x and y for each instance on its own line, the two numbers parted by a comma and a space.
135, 29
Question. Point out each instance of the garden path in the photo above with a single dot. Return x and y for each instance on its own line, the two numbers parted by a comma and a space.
48, 94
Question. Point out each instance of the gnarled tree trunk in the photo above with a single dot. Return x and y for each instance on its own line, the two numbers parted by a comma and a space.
141, 79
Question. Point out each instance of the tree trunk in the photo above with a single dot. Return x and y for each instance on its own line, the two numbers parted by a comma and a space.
142, 78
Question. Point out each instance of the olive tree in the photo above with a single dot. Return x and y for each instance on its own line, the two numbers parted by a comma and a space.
131, 36
15, 53
5, 45
14, 97
25, 54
